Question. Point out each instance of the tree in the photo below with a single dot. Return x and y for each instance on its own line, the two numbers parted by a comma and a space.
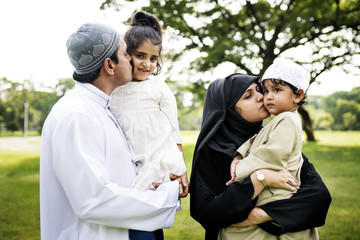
64, 85
344, 107
13, 95
252, 34
349, 120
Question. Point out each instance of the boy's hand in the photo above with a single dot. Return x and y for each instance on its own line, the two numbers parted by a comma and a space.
233, 165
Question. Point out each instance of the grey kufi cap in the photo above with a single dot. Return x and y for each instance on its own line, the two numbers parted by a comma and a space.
90, 45
289, 72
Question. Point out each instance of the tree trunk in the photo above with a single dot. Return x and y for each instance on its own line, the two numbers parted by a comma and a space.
307, 125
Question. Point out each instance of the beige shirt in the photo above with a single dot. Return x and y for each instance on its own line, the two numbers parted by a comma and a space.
277, 146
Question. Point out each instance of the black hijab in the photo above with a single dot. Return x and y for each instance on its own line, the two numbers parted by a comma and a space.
222, 128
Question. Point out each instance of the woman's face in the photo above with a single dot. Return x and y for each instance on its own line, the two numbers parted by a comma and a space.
251, 105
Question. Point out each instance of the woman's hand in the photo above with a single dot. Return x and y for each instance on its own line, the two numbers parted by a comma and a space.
256, 216
280, 179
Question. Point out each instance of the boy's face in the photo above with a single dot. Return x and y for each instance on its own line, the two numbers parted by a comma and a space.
279, 98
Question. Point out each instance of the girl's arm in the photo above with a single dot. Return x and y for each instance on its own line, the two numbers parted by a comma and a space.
168, 106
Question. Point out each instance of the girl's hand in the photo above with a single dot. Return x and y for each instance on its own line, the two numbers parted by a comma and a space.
233, 165
184, 185
183, 181
280, 179
256, 216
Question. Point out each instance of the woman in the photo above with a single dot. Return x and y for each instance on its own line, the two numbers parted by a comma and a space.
215, 205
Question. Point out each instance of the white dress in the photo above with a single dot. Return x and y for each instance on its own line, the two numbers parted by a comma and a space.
147, 113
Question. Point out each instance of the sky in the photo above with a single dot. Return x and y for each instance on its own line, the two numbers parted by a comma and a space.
34, 34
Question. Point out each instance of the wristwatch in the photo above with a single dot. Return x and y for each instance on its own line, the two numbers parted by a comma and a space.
261, 177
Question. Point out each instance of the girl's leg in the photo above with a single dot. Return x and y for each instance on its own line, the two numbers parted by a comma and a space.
159, 234
141, 235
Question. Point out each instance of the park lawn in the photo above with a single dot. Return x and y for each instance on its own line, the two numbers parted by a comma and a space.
19, 195
335, 156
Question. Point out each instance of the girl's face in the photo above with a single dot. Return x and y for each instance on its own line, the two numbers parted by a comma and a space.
144, 60
251, 105
279, 98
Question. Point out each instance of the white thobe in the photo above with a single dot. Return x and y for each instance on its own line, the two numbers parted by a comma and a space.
86, 171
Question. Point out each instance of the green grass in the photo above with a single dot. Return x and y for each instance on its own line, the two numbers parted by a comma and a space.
18, 134
19, 199
335, 156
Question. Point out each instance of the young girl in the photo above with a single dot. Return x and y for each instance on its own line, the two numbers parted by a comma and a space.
277, 146
147, 113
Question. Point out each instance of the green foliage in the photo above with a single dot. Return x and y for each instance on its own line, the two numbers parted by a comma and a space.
344, 107
64, 85
14, 95
189, 101
338, 111
251, 34
12, 125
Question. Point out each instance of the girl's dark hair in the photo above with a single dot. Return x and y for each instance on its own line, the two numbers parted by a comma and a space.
283, 83
144, 27
90, 77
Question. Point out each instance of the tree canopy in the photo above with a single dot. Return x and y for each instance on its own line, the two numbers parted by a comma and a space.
251, 34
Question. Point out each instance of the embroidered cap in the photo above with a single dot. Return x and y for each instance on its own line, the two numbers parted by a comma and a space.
90, 45
289, 72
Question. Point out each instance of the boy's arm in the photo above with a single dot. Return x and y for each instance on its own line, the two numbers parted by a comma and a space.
272, 154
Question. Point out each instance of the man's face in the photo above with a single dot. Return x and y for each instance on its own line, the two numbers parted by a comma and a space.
123, 68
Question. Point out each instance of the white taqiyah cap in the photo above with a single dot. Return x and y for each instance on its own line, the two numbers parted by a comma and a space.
289, 72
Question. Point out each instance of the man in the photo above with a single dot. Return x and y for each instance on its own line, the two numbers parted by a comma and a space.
85, 164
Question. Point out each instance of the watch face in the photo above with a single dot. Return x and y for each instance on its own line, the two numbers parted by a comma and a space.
261, 177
